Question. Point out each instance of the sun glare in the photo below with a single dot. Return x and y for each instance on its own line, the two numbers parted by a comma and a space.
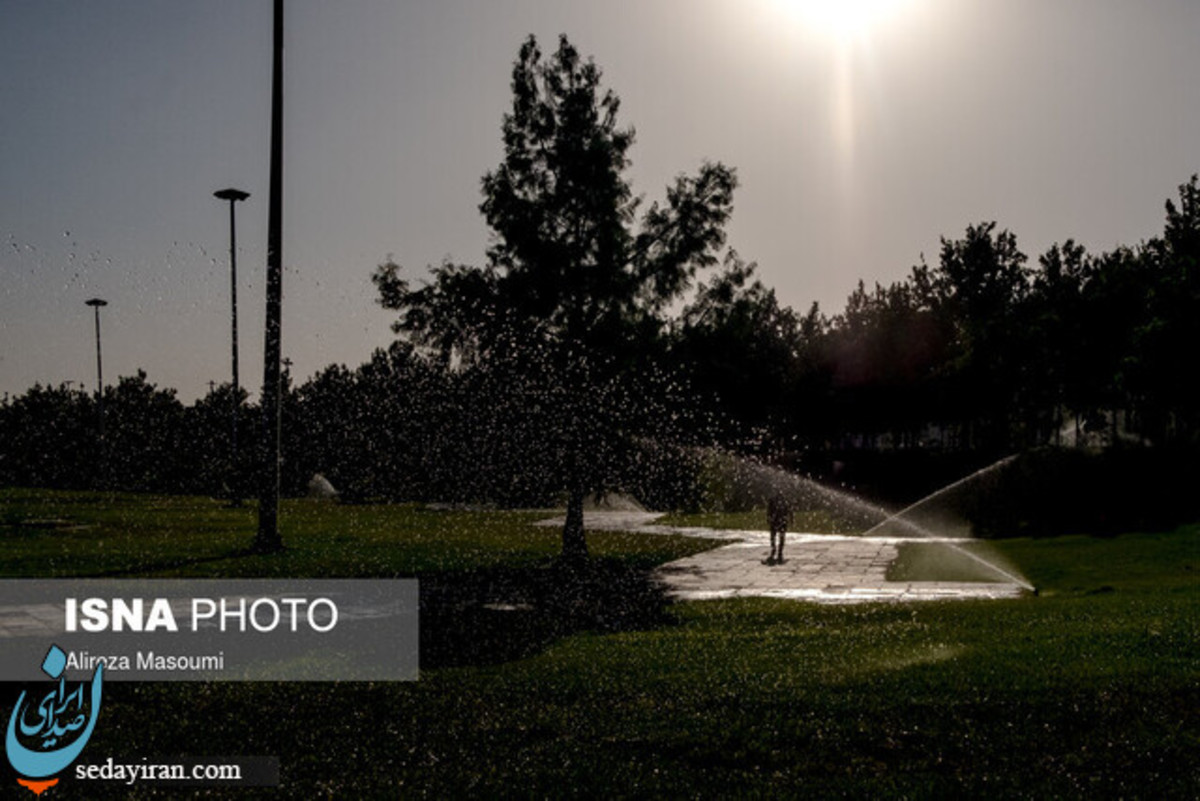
845, 20
846, 33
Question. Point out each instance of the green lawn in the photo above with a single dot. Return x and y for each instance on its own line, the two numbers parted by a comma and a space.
1091, 689
126, 534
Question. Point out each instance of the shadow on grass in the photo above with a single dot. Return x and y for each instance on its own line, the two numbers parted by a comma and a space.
495, 615
498, 614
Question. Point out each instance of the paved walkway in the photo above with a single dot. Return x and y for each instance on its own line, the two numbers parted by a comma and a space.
822, 568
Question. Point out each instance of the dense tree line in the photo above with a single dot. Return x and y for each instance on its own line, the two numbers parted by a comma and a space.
399, 427
979, 353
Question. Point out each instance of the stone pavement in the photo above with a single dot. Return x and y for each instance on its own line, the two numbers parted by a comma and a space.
819, 567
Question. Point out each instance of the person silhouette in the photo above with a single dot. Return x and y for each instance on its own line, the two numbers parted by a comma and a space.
779, 517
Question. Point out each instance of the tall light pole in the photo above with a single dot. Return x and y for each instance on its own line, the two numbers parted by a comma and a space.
267, 539
234, 196
96, 304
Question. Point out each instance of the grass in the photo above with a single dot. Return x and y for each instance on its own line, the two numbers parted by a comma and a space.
1063, 565
966, 562
150, 535
1090, 690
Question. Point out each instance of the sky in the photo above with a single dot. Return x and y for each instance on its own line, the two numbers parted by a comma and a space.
858, 144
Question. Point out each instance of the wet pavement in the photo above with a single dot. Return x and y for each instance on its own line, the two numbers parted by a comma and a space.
822, 568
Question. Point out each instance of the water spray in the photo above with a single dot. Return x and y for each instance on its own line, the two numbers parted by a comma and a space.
896, 518
776, 478
994, 568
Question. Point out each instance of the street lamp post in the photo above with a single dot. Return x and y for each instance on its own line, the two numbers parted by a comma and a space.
234, 196
96, 304
267, 539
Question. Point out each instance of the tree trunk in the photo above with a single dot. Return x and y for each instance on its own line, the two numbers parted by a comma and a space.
574, 548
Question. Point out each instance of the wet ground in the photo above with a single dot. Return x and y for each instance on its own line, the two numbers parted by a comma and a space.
823, 568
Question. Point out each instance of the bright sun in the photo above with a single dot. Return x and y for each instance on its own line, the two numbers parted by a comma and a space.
845, 19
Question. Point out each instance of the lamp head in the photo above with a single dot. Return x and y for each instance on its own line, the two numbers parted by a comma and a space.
231, 194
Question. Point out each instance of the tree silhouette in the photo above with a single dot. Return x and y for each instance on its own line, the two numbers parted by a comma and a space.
739, 349
572, 289
207, 442
48, 438
143, 432
979, 284
1166, 336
